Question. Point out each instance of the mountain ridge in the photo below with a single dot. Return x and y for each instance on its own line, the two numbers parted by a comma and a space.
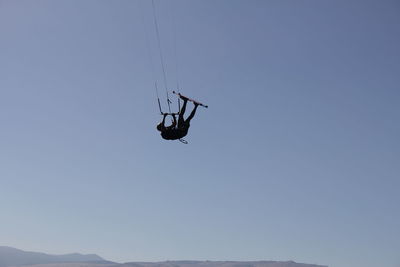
12, 257
183, 263
15, 257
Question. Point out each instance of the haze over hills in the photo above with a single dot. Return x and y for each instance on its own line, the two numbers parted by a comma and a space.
220, 264
15, 257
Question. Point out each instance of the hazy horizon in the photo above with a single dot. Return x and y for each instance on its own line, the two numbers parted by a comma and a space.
10, 257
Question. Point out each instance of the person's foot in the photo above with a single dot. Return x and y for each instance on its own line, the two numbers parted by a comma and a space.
184, 98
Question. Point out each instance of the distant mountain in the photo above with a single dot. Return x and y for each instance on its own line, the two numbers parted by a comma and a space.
183, 263
219, 264
11, 257
15, 257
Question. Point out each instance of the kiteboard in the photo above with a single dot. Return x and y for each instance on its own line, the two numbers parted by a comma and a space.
190, 99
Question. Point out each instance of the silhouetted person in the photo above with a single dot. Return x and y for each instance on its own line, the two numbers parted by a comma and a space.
177, 131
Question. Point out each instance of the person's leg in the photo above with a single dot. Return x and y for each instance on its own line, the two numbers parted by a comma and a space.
192, 113
181, 119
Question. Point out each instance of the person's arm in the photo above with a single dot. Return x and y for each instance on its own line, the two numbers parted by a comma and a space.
163, 121
161, 125
173, 125
174, 120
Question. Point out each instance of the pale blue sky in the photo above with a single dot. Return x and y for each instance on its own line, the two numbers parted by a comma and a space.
297, 158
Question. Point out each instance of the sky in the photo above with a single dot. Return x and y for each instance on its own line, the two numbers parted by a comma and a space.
296, 158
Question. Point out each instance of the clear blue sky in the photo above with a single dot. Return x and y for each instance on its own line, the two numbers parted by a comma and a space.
297, 158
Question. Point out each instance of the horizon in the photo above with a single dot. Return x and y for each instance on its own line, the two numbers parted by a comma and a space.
96, 254
162, 261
